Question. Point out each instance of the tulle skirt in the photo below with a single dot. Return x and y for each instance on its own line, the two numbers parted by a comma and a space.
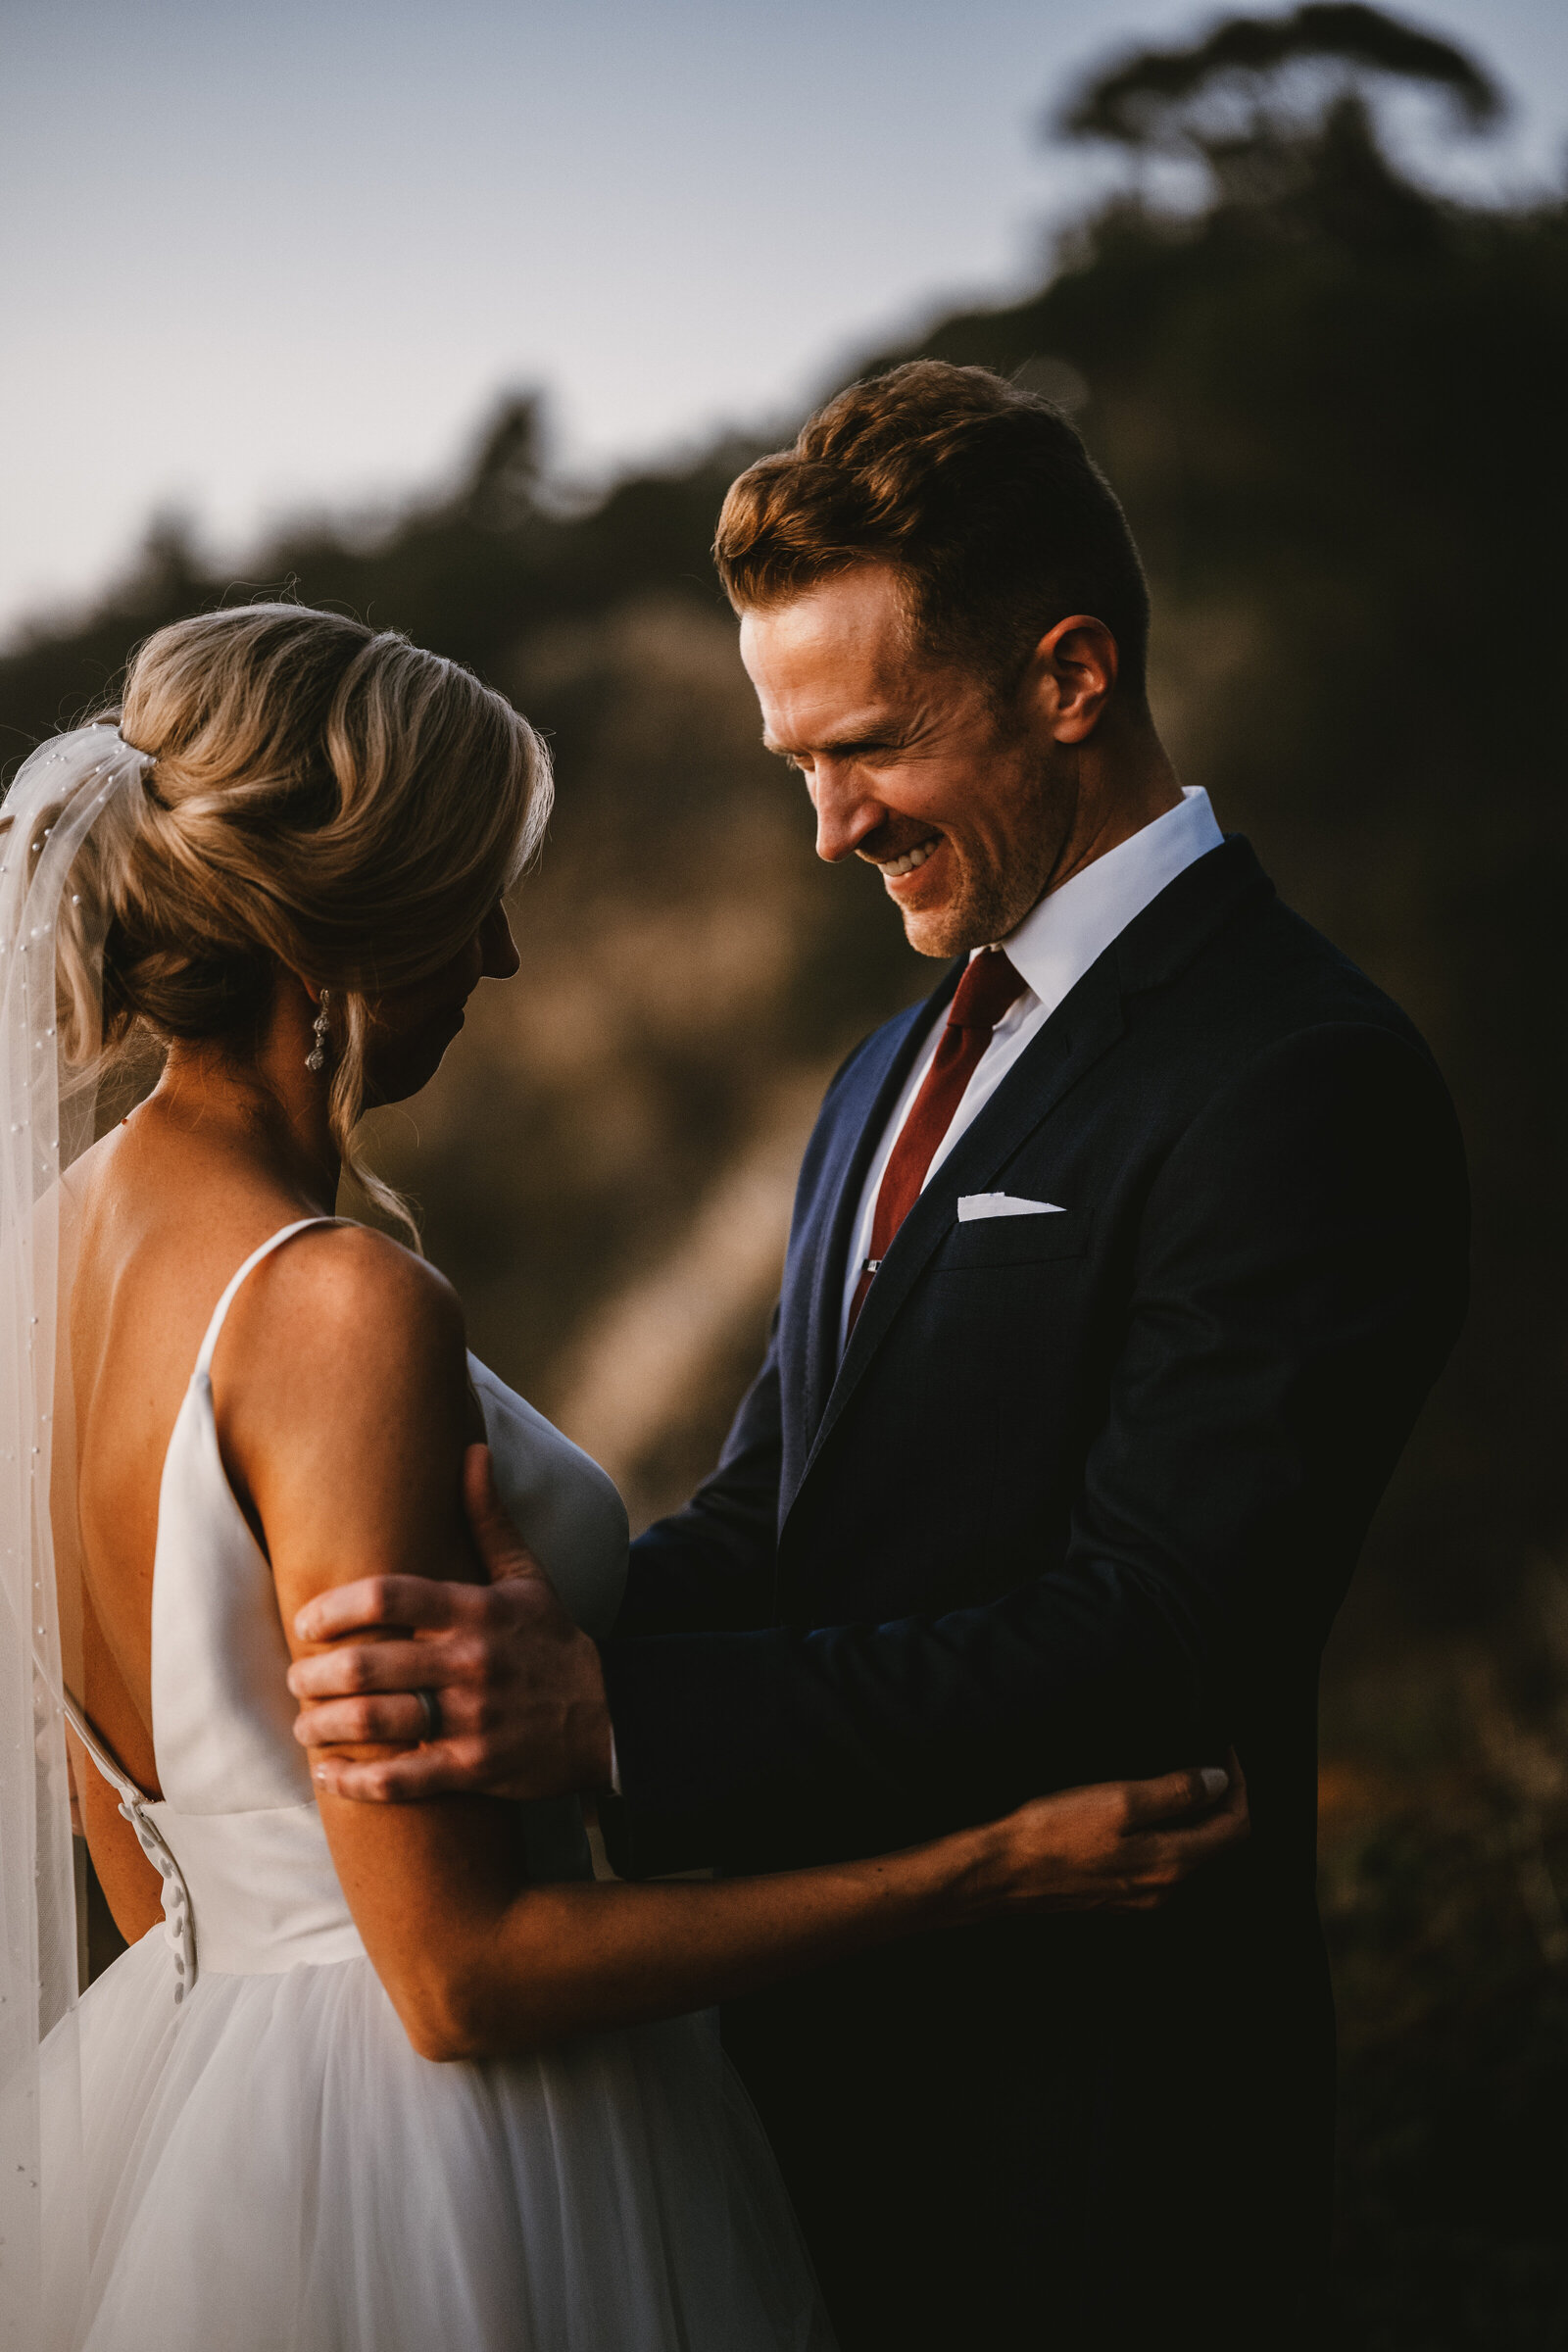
270, 2168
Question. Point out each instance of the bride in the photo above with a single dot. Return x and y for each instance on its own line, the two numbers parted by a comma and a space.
369, 2079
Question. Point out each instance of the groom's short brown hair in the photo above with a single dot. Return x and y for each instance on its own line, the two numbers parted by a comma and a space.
981, 495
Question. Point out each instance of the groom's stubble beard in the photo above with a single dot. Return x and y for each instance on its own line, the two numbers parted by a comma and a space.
999, 880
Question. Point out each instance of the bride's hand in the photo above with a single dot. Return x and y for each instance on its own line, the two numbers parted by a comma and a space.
1122, 1845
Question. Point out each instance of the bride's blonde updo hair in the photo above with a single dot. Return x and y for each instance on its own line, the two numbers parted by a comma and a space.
320, 796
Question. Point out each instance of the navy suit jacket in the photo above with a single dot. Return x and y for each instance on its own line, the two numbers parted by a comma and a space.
1086, 1490
1080, 1497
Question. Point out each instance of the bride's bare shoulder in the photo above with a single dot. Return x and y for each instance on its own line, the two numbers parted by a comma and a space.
344, 1302
342, 1360
343, 1405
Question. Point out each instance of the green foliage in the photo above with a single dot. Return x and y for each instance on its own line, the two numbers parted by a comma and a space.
1443, 1876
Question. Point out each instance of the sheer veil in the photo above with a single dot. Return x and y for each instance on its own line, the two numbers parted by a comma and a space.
73, 807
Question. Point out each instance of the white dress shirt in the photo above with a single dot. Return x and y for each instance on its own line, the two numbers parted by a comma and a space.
1050, 950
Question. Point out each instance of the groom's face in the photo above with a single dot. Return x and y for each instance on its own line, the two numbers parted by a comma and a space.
962, 805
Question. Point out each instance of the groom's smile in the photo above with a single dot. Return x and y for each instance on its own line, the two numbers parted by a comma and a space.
896, 854
894, 869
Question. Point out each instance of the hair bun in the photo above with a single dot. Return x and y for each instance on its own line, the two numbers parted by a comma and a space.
329, 800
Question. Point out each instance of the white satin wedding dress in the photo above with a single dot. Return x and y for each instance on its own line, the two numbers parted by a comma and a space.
270, 2167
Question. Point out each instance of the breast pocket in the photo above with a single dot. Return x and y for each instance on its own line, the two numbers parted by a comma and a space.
1015, 1240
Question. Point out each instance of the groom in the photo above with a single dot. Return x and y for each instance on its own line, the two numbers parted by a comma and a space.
1118, 1273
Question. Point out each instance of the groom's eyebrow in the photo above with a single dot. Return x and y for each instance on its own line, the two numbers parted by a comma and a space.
864, 736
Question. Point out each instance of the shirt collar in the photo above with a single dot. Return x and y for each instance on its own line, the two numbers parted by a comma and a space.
1071, 927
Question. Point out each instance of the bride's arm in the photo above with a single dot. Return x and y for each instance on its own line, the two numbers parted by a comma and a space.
344, 1413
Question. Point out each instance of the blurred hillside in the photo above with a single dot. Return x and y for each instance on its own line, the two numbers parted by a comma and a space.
1333, 404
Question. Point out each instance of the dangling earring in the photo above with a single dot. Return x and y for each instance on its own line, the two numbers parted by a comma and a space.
315, 1059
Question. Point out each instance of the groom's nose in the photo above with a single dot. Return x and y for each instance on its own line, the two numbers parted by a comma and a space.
846, 811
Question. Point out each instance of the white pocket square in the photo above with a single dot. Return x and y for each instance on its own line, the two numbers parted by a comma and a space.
973, 1206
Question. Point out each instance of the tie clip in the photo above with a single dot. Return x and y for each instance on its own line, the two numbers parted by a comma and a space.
870, 1266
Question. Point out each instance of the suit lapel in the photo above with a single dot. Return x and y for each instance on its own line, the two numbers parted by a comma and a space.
1089, 1021
1075, 1037
870, 1093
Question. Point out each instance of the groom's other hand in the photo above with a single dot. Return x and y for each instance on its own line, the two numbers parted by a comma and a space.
516, 1685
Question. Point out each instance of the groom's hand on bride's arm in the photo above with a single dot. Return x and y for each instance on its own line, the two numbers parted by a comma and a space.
516, 1687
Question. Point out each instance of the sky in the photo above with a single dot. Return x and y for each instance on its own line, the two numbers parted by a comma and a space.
257, 260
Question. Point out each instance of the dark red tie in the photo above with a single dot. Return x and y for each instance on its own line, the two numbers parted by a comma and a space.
987, 989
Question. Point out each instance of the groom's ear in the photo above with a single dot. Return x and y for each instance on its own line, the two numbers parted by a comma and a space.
1072, 677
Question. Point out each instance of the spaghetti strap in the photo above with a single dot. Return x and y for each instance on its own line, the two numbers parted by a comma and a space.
108, 1764
138, 1809
135, 1804
204, 1361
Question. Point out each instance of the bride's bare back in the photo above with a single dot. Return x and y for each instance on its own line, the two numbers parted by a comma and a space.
171, 1202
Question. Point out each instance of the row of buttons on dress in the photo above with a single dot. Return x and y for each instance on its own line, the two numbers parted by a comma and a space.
178, 1926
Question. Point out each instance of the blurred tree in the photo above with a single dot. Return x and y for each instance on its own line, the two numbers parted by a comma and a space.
1280, 106
1242, 85
504, 481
